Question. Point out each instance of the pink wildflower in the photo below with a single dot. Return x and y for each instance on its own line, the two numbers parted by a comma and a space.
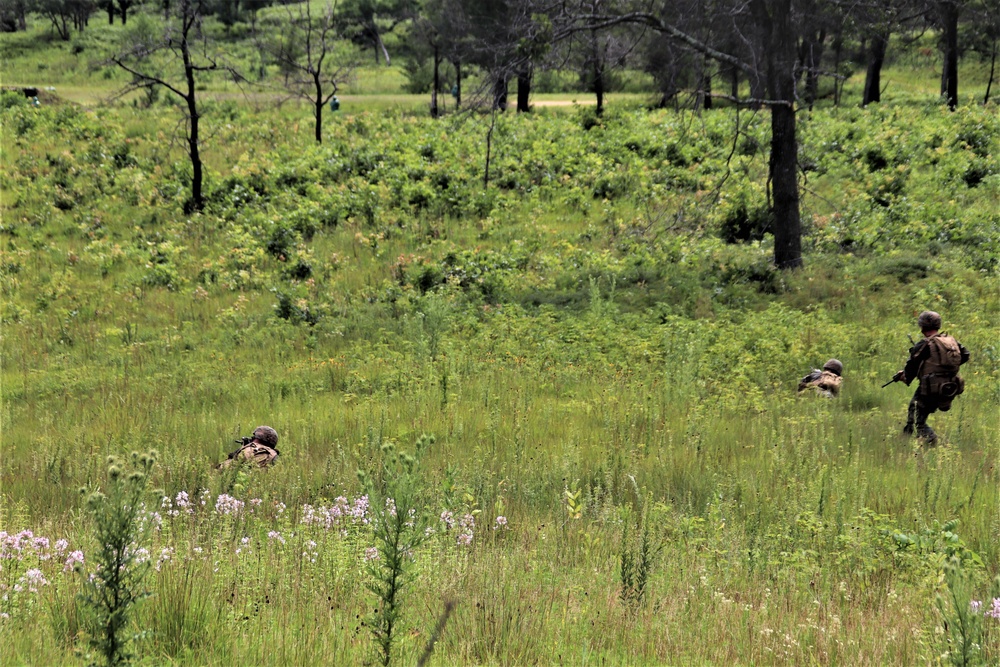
225, 504
75, 558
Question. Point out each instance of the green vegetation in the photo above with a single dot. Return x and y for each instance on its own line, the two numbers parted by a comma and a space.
111, 593
620, 471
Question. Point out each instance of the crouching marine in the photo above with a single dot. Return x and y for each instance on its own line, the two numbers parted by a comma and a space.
261, 449
825, 381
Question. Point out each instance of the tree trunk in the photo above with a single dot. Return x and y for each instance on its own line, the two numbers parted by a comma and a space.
197, 199
523, 90
949, 19
993, 65
599, 89
385, 51
437, 84
699, 83
111, 12
62, 27
598, 65
489, 147
317, 82
838, 45
732, 72
758, 90
458, 85
706, 91
873, 77
500, 92
774, 18
813, 59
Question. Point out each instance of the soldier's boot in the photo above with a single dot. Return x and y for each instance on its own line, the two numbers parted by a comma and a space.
924, 432
911, 418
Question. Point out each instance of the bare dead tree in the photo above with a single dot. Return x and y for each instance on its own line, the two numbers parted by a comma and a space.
304, 47
173, 59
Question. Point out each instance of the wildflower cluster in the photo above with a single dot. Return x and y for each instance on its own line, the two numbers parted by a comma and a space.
339, 515
26, 544
993, 611
465, 527
181, 503
225, 504
29, 562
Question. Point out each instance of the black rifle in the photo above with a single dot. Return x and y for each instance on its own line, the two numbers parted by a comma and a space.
243, 442
898, 377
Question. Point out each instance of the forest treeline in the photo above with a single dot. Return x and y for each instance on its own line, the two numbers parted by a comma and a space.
781, 55
710, 48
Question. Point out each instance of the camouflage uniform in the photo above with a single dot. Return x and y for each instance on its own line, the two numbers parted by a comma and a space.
826, 381
261, 449
934, 361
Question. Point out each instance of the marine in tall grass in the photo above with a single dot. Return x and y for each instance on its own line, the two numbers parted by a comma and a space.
825, 381
934, 361
261, 448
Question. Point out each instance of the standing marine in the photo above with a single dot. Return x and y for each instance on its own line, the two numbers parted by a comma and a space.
261, 448
934, 361
826, 381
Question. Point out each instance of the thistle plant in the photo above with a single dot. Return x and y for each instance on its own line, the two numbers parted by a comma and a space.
963, 617
636, 557
399, 523
112, 590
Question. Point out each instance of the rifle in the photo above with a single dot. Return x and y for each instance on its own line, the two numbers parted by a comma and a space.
898, 377
243, 442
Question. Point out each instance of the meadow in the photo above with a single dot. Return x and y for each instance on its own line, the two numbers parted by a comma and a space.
591, 360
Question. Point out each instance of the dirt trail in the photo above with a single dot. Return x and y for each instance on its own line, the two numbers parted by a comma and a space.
562, 103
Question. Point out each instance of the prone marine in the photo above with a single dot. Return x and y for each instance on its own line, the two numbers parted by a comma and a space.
261, 448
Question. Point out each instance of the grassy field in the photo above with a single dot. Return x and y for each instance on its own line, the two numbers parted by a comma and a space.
611, 463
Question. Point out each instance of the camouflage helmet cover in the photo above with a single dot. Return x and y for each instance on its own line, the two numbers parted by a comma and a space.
834, 366
929, 321
266, 435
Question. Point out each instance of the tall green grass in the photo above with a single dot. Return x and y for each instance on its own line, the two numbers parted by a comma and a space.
578, 339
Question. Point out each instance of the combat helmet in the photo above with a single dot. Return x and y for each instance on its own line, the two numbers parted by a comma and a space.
266, 435
834, 366
929, 321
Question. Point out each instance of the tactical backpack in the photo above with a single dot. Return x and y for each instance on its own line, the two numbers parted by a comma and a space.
938, 374
262, 455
